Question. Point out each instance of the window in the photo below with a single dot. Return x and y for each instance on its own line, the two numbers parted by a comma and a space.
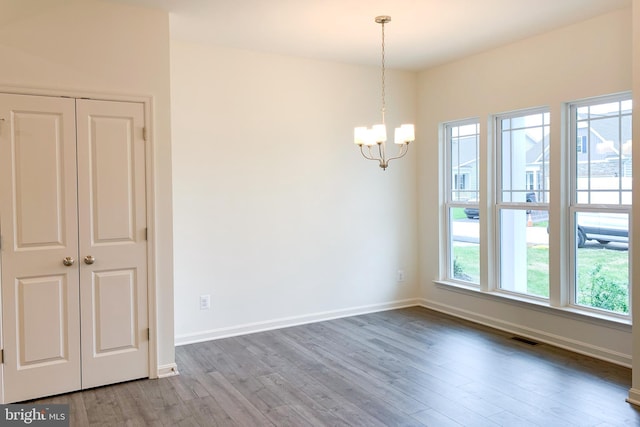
582, 145
522, 210
462, 148
460, 181
595, 194
601, 203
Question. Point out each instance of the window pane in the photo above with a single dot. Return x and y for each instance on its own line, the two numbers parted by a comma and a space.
463, 145
603, 153
462, 148
524, 158
602, 261
601, 110
465, 248
524, 251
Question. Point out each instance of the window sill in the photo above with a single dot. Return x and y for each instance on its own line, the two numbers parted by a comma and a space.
571, 312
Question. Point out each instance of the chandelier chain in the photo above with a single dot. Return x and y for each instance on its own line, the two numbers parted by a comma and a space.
383, 76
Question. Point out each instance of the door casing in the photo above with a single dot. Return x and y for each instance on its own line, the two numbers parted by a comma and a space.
150, 155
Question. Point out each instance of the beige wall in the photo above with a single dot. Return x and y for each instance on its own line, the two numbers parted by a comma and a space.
277, 215
95, 48
634, 393
583, 60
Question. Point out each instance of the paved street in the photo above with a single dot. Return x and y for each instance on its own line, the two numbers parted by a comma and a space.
468, 230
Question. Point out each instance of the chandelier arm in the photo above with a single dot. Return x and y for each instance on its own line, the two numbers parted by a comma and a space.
381, 151
404, 149
370, 156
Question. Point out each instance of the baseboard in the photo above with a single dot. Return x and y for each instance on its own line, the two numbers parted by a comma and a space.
250, 328
634, 396
534, 334
168, 370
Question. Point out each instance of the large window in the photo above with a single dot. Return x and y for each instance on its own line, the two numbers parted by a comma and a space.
588, 198
523, 181
462, 152
601, 203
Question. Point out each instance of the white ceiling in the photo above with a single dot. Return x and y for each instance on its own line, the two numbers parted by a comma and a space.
422, 33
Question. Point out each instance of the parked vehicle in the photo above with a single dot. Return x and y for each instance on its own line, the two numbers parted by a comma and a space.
603, 227
473, 213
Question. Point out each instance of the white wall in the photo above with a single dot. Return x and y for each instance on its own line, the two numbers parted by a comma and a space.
277, 216
81, 47
584, 60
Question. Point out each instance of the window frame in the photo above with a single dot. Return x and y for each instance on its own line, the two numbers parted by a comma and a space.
449, 202
502, 205
557, 199
574, 207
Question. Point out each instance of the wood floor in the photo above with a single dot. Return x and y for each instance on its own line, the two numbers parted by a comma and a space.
409, 367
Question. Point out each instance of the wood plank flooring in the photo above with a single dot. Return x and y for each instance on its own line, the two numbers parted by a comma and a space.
409, 367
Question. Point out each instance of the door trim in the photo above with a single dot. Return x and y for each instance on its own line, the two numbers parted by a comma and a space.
150, 155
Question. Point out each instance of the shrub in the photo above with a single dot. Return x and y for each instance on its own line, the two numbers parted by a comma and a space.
601, 292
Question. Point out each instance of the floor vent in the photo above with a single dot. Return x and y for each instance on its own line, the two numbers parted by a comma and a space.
525, 340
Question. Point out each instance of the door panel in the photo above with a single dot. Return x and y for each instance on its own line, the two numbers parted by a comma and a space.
112, 190
112, 211
38, 178
42, 321
38, 223
115, 316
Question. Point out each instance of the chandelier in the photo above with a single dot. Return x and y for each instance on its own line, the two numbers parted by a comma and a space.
377, 134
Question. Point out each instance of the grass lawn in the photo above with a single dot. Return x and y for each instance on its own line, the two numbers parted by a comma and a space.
458, 213
602, 273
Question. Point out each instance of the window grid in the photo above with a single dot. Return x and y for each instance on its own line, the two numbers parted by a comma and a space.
600, 205
461, 205
522, 142
506, 148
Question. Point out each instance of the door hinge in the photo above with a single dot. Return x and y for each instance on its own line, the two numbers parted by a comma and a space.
146, 234
1, 356
144, 133
148, 334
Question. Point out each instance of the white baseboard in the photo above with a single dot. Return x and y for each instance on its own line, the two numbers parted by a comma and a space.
250, 328
168, 370
634, 396
534, 334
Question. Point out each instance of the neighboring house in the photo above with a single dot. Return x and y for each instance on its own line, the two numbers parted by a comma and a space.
603, 155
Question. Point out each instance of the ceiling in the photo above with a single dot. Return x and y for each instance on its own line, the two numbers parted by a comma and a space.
422, 33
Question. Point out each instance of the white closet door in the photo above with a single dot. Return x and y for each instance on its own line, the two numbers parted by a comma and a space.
113, 246
38, 225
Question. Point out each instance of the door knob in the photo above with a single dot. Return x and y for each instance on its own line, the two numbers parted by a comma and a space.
68, 261
89, 259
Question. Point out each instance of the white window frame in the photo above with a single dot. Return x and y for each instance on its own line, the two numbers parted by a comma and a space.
447, 273
502, 205
575, 207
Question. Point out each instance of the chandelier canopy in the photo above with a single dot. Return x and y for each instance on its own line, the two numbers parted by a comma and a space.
377, 134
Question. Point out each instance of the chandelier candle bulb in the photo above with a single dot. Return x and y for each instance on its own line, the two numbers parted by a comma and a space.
359, 135
370, 138
409, 132
380, 133
398, 138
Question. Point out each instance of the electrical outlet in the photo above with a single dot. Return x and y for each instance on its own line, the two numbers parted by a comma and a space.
205, 302
400, 276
